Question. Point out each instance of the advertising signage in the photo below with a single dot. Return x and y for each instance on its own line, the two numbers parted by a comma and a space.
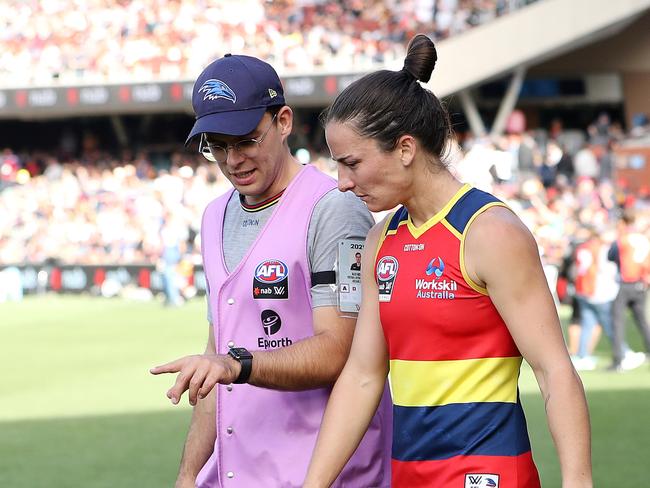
130, 98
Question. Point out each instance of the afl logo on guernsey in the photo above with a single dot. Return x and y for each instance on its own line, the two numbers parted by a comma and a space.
387, 268
271, 280
271, 271
386, 273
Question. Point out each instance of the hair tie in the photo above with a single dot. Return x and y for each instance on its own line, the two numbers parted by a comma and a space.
409, 74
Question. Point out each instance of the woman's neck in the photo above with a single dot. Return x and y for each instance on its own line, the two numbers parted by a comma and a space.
431, 191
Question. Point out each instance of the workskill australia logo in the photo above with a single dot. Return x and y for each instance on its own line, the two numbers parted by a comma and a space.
271, 280
386, 273
215, 89
436, 288
436, 266
478, 480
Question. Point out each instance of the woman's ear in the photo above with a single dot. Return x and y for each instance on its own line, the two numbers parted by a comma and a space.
407, 147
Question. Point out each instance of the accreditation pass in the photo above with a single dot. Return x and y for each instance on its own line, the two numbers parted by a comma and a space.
349, 274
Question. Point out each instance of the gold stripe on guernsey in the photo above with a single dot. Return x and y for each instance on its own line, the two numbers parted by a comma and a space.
463, 270
382, 237
392, 232
418, 231
435, 383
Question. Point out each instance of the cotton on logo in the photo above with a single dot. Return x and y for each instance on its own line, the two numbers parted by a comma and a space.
387, 268
271, 271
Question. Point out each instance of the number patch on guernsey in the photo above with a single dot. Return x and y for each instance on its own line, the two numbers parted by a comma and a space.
481, 480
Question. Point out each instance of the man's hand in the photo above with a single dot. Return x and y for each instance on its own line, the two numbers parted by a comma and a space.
198, 374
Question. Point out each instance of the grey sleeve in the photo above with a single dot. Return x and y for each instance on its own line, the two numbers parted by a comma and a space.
209, 312
336, 216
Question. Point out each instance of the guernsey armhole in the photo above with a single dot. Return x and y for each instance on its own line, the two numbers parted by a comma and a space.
475, 286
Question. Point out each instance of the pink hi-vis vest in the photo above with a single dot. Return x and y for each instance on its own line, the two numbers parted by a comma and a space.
265, 437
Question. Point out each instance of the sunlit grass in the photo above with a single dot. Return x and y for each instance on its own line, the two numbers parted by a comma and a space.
79, 408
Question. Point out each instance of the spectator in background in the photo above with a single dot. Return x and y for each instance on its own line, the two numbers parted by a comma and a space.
631, 252
585, 163
595, 288
173, 240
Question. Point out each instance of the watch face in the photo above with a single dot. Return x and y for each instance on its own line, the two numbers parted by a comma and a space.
240, 353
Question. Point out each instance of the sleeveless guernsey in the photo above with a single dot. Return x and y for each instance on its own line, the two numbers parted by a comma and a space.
457, 419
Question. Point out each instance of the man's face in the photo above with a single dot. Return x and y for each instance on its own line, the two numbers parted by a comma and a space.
256, 175
357, 256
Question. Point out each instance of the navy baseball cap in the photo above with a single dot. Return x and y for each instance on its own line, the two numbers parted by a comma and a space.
232, 94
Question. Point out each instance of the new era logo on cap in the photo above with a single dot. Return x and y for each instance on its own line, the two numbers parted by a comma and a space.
232, 94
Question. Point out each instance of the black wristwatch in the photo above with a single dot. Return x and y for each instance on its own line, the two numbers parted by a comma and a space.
245, 358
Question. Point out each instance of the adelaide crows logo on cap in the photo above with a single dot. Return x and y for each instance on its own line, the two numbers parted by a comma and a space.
214, 89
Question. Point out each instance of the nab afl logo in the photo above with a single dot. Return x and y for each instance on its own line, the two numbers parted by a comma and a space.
386, 274
387, 268
271, 280
271, 271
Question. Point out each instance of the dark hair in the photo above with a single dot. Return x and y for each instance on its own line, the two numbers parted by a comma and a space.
386, 105
274, 110
628, 216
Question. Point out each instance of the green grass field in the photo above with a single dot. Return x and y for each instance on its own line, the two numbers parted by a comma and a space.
78, 407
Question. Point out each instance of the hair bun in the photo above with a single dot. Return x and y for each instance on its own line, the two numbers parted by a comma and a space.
421, 57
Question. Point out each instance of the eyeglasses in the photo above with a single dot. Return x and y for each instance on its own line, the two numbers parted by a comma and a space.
218, 153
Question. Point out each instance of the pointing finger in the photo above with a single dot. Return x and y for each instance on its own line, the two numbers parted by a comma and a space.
171, 367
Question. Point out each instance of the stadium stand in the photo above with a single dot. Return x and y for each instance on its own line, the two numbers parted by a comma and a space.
70, 42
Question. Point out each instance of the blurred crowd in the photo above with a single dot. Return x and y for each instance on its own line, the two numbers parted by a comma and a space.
119, 211
94, 41
97, 208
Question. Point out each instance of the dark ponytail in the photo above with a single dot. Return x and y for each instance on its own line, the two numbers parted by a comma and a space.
421, 57
385, 105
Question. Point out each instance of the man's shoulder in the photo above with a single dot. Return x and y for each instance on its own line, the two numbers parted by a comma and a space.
341, 213
335, 201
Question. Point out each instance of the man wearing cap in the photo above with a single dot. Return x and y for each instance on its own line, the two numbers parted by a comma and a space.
277, 341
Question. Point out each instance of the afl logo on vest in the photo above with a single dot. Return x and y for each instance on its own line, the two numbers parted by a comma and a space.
271, 280
386, 273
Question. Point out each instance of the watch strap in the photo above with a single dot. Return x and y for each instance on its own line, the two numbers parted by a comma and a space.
246, 367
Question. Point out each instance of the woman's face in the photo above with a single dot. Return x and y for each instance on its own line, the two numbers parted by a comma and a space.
374, 175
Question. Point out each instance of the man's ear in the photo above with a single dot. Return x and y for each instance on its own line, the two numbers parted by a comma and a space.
285, 121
